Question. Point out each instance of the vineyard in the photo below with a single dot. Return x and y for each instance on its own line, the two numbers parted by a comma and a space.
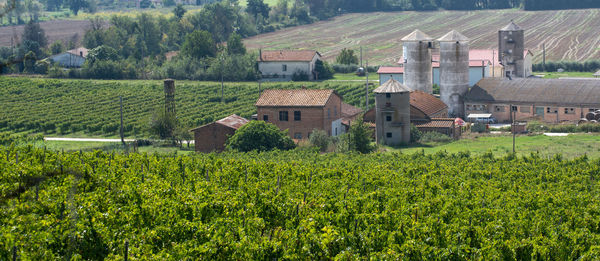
568, 34
297, 205
91, 106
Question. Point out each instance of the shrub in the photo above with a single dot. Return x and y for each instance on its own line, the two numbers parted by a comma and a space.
360, 136
479, 127
299, 76
415, 134
259, 136
434, 136
320, 139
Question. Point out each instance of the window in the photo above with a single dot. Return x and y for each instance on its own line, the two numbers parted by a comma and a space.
468, 107
284, 67
388, 118
297, 116
569, 111
283, 116
499, 108
328, 113
551, 110
513, 108
335, 131
388, 95
388, 135
298, 135
265, 117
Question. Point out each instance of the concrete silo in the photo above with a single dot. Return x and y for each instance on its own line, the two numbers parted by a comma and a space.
392, 113
454, 71
416, 50
511, 50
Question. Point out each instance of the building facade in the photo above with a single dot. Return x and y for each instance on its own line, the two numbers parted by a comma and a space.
71, 58
548, 100
281, 65
392, 113
301, 111
212, 137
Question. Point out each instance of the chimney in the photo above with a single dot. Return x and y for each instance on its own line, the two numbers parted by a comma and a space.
81, 53
260, 54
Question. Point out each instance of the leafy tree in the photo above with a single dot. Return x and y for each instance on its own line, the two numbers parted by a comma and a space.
76, 5
256, 7
168, 3
199, 44
145, 4
33, 32
179, 11
415, 134
163, 124
259, 136
323, 70
346, 56
102, 53
57, 47
235, 45
320, 139
29, 62
360, 136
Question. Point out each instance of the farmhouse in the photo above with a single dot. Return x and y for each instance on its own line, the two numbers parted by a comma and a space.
71, 58
550, 100
301, 110
212, 136
283, 64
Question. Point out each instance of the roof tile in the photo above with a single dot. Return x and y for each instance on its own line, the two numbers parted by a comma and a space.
288, 56
295, 97
426, 103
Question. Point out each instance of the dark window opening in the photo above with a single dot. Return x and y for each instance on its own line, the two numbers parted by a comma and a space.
297, 116
513, 108
388, 118
284, 67
389, 134
283, 116
265, 117
388, 95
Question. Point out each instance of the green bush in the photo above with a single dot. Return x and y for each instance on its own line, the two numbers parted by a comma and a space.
259, 136
320, 139
415, 134
434, 136
479, 127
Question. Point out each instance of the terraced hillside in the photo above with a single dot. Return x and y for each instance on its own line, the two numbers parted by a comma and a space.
568, 34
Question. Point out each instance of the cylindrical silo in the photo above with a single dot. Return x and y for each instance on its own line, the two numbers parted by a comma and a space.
454, 71
416, 50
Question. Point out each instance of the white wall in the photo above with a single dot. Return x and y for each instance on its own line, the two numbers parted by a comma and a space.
527, 65
68, 60
270, 68
337, 125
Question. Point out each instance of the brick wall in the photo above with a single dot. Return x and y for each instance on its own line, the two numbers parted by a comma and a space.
310, 117
212, 137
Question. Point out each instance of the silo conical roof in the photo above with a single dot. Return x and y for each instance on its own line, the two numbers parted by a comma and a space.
453, 36
392, 86
511, 27
417, 35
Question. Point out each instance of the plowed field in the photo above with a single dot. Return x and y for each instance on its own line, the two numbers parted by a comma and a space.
64, 30
568, 34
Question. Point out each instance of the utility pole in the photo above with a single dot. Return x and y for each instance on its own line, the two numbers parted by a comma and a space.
513, 128
221, 58
361, 56
367, 87
493, 63
121, 130
544, 57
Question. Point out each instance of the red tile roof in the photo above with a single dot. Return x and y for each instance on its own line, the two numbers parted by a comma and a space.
349, 111
294, 98
390, 69
426, 103
288, 56
233, 121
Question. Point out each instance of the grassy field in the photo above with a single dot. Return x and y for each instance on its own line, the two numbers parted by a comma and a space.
353, 77
567, 34
555, 75
571, 146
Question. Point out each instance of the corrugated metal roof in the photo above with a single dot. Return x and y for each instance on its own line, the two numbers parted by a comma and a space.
435, 123
453, 36
417, 35
296, 98
426, 103
535, 90
233, 121
392, 86
288, 56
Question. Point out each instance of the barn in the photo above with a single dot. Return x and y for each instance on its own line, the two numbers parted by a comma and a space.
212, 137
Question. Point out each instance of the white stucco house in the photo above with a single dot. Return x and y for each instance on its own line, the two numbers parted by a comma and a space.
71, 58
280, 65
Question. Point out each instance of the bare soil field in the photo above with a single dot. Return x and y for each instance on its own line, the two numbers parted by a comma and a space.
64, 30
568, 34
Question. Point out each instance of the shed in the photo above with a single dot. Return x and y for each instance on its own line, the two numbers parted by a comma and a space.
71, 58
212, 137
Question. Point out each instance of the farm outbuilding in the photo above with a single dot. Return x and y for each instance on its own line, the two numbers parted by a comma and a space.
212, 137
281, 65
71, 58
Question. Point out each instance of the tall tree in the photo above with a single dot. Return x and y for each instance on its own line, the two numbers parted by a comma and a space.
179, 11
235, 45
34, 32
199, 44
256, 7
346, 56
76, 5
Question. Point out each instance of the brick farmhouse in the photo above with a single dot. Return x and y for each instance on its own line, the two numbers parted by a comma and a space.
300, 111
212, 137
549, 100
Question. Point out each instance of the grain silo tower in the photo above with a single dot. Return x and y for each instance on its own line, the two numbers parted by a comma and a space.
454, 71
511, 50
392, 110
416, 50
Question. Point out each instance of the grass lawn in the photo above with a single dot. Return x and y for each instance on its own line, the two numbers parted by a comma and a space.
571, 146
108, 146
353, 77
555, 75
